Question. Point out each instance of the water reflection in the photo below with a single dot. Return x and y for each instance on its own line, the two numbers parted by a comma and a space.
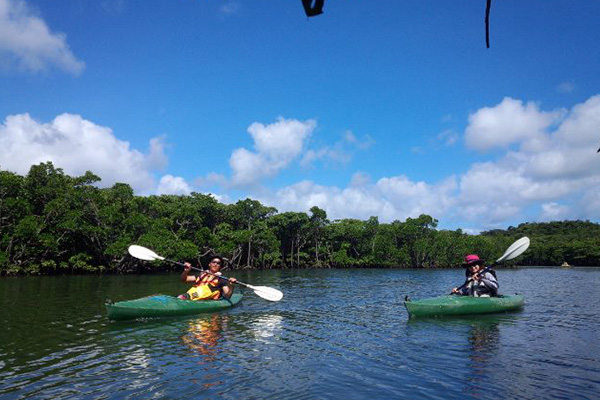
471, 350
266, 326
203, 335
313, 345
484, 342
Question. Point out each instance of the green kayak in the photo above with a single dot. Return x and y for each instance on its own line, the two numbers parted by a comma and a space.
463, 305
161, 305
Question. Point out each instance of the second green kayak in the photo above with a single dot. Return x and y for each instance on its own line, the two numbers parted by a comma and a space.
160, 305
463, 305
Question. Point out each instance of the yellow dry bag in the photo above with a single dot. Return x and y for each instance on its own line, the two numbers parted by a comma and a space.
203, 292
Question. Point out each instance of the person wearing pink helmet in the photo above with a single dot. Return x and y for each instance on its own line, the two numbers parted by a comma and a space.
480, 282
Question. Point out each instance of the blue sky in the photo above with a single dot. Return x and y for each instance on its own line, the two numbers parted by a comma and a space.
383, 108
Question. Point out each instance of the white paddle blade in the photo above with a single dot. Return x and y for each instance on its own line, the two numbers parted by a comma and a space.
143, 253
515, 249
267, 293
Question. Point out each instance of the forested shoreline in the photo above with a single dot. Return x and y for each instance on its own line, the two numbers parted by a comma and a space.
52, 223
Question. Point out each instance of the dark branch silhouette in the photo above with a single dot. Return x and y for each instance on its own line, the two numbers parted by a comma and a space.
487, 22
313, 7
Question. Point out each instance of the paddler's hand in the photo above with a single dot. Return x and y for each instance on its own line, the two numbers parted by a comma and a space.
232, 281
454, 290
187, 267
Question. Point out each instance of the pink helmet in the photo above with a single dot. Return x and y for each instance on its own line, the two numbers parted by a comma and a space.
471, 259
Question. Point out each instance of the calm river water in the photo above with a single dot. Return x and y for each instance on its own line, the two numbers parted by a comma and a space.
336, 334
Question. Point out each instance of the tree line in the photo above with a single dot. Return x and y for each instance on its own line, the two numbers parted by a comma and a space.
53, 223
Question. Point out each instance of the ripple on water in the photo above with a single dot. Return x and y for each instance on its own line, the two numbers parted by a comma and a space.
336, 334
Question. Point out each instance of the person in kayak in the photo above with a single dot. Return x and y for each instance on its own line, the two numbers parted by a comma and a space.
208, 285
480, 282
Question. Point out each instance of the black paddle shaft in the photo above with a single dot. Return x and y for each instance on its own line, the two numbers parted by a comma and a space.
208, 272
197, 269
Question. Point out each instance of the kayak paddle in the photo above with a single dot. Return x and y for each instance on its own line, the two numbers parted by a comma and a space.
515, 250
265, 292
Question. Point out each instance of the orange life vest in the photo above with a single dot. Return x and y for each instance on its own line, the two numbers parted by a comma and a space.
206, 287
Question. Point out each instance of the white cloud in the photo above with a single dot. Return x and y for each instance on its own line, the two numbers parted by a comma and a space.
581, 127
340, 152
336, 154
447, 118
359, 144
566, 163
554, 212
566, 87
211, 179
276, 145
27, 43
497, 191
311, 156
448, 137
590, 203
157, 158
222, 198
170, 184
509, 122
409, 198
360, 179
282, 140
389, 198
569, 151
338, 203
77, 145
249, 168
554, 169
230, 7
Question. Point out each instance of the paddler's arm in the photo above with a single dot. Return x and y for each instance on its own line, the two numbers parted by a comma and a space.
464, 289
228, 288
489, 281
185, 278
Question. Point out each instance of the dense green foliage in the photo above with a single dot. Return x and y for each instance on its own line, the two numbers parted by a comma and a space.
52, 223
